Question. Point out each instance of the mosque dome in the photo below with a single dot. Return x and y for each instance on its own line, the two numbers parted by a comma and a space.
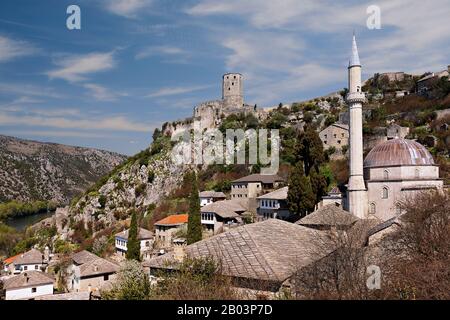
398, 152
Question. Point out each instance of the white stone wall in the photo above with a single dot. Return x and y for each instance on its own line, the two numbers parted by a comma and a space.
233, 89
27, 293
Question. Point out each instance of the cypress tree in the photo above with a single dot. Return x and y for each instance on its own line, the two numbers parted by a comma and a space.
133, 245
300, 195
194, 232
318, 184
310, 150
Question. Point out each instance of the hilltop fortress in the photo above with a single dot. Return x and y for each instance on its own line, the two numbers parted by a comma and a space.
210, 114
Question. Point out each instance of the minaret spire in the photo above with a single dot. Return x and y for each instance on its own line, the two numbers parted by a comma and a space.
356, 189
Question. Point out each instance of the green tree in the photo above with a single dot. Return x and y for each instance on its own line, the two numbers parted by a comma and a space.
133, 245
132, 283
194, 233
318, 184
310, 150
300, 195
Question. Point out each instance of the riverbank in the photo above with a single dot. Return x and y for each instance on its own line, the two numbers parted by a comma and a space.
15, 209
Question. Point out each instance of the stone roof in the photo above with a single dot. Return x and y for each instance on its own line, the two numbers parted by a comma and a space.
280, 194
397, 152
329, 215
83, 257
212, 194
66, 296
32, 256
225, 208
263, 178
98, 266
173, 220
28, 279
270, 250
143, 234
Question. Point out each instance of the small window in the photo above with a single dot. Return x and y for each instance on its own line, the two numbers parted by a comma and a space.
385, 193
36, 267
372, 208
386, 175
33, 290
25, 268
398, 209
417, 173
106, 277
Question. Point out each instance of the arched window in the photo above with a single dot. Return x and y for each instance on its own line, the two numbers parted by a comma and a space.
386, 174
372, 208
385, 194
398, 209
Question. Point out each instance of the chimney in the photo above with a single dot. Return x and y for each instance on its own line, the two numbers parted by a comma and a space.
179, 250
46, 254
27, 278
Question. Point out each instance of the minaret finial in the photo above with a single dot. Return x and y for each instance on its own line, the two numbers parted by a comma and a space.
354, 59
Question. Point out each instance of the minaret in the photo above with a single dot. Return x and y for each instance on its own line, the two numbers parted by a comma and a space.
356, 191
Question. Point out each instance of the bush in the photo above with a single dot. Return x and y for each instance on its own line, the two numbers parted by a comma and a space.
139, 190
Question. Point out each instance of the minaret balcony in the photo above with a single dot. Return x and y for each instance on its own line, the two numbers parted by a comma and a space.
356, 97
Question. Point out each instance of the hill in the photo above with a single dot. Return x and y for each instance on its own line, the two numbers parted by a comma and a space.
31, 170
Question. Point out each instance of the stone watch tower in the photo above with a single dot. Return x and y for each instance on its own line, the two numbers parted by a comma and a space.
356, 191
233, 90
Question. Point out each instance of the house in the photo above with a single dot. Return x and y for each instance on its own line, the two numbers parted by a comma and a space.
332, 197
257, 257
396, 131
145, 237
88, 272
168, 227
30, 260
255, 185
28, 285
329, 217
335, 136
219, 215
274, 205
8, 266
429, 80
207, 197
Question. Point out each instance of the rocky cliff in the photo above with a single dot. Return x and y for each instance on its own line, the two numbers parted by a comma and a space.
31, 170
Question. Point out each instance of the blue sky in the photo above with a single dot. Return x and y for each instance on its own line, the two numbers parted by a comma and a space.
138, 63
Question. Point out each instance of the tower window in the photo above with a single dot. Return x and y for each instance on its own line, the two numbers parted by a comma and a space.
385, 194
372, 208
417, 173
235, 77
232, 83
386, 175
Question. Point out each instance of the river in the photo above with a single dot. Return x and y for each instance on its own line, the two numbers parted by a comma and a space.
21, 223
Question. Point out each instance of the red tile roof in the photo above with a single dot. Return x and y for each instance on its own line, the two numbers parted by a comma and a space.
175, 219
11, 259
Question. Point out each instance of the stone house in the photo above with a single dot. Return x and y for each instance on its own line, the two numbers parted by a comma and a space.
396, 131
332, 197
428, 81
166, 228
217, 216
258, 257
254, 185
28, 261
88, 272
28, 285
335, 135
145, 237
274, 205
328, 217
207, 197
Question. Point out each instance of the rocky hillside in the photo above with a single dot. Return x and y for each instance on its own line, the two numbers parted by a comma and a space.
31, 170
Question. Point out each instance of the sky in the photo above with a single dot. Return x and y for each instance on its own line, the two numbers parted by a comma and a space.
136, 64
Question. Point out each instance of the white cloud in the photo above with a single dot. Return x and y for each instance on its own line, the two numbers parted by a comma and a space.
112, 123
102, 93
127, 8
59, 134
11, 49
159, 50
171, 91
76, 68
29, 90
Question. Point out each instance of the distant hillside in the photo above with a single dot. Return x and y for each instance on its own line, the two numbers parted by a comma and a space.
31, 170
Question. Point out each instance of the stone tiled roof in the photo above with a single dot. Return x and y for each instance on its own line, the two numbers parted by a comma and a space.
98, 266
270, 250
397, 152
263, 178
212, 194
33, 256
143, 234
224, 209
28, 279
329, 215
66, 296
83, 257
280, 194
